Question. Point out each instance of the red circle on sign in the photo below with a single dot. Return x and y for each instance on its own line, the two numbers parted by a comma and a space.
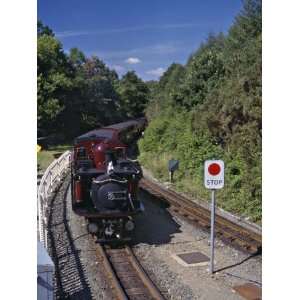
214, 169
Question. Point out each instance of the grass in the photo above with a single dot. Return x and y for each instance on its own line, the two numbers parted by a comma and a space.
45, 157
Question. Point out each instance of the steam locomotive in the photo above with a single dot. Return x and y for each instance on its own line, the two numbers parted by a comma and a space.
104, 182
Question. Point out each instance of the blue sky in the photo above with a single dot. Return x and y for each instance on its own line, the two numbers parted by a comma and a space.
145, 36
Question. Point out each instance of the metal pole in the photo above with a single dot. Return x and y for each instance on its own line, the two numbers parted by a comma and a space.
212, 231
171, 176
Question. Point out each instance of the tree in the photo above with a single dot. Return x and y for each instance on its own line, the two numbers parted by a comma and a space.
162, 93
43, 29
54, 82
204, 71
93, 101
134, 94
77, 57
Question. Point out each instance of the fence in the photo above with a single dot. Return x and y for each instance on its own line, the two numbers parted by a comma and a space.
48, 183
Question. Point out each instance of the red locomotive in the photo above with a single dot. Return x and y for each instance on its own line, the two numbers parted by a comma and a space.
105, 182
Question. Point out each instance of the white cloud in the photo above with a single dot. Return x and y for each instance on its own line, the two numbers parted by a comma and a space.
156, 72
157, 49
133, 60
72, 33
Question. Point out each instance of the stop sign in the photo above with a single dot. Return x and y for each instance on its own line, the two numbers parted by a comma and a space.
214, 174
214, 169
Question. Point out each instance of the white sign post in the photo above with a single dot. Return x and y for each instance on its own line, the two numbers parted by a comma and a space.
213, 180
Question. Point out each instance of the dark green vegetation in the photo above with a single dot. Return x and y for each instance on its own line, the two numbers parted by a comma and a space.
78, 93
211, 108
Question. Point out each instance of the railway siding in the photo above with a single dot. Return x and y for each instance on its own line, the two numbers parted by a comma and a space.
235, 231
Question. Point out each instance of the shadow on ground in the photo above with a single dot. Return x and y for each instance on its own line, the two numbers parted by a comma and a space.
156, 225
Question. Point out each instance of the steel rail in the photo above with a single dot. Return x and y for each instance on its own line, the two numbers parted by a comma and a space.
142, 274
121, 287
114, 280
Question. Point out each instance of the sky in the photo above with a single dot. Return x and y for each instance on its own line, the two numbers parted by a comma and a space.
144, 36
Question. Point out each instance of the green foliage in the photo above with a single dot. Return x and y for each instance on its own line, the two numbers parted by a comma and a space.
211, 108
133, 94
43, 30
162, 92
204, 71
93, 102
54, 81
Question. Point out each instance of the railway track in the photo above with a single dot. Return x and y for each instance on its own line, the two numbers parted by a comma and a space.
227, 230
127, 277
